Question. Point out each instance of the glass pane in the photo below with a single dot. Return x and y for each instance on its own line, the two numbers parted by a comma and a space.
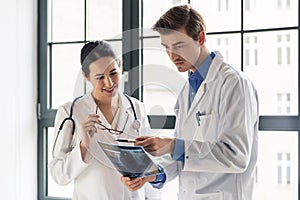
152, 12
280, 13
67, 79
54, 189
161, 80
67, 19
277, 178
104, 19
229, 45
65, 69
219, 15
271, 61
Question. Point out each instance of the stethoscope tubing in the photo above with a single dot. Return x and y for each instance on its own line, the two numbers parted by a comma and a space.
136, 123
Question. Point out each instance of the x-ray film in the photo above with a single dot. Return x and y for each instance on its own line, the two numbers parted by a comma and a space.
130, 161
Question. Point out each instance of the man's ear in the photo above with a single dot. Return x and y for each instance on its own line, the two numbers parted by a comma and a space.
201, 38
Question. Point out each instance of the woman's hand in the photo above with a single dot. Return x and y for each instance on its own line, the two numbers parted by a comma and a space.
88, 130
136, 183
156, 146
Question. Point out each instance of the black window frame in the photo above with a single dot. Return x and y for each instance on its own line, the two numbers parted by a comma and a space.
131, 20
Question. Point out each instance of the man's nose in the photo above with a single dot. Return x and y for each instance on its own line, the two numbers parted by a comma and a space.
172, 55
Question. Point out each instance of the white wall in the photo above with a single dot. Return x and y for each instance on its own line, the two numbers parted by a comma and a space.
18, 83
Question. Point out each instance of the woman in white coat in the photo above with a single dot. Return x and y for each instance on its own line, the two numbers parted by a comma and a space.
216, 116
75, 156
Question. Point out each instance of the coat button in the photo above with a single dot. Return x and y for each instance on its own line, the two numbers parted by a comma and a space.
187, 157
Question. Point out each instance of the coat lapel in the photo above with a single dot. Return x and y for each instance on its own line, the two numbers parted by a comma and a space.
199, 95
206, 84
124, 112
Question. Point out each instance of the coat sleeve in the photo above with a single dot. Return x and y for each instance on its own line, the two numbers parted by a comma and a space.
237, 126
66, 163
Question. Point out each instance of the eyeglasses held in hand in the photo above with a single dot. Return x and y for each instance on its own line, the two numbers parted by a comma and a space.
111, 130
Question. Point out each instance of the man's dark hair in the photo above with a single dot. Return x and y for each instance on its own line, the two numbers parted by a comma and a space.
183, 16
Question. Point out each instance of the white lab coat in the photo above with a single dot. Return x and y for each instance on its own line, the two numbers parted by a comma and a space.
221, 153
97, 179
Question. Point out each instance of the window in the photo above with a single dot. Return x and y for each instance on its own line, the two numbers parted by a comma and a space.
63, 29
223, 6
284, 103
222, 43
284, 169
284, 49
265, 47
251, 51
249, 5
283, 3
277, 163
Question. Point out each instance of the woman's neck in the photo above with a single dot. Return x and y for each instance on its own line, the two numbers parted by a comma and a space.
106, 108
103, 103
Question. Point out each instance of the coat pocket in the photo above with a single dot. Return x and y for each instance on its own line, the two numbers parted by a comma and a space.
208, 196
207, 128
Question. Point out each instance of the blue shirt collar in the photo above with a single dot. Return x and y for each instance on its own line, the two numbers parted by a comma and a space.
198, 76
202, 70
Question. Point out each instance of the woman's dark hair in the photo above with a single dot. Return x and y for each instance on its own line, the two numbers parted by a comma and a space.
93, 51
183, 16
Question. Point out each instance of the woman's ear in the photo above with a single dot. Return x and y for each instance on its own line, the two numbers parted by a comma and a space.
120, 64
84, 76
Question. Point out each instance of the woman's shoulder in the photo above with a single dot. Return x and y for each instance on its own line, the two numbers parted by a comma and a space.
134, 100
77, 101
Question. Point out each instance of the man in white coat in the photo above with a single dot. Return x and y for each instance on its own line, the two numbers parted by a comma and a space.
217, 116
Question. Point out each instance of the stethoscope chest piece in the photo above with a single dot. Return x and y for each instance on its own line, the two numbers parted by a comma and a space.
136, 124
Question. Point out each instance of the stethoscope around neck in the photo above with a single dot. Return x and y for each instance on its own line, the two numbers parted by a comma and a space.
135, 125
